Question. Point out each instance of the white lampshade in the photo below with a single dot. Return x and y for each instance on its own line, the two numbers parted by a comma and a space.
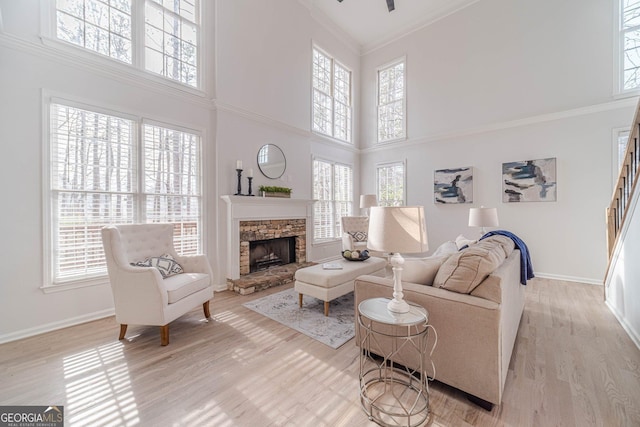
368, 201
483, 217
398, 229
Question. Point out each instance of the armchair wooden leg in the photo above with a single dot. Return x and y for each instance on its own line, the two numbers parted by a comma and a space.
207, 312
123, 330
164, 335
300, 300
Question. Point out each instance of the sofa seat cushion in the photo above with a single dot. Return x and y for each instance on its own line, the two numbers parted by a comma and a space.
464, 271
185, 284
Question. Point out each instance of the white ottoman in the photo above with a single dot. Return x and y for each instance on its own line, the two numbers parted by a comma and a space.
328, 285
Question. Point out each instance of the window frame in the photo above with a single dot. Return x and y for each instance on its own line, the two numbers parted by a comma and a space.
619, 52
384, 165
337, 225
118, 69
139, 194
381, 68
332, 96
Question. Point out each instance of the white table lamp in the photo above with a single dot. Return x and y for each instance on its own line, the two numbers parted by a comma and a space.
483, 217
397, 229
368, 201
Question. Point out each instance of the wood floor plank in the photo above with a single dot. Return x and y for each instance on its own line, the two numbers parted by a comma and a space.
572, 365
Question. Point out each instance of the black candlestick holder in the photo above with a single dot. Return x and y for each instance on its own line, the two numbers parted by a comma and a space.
239, 193
250, 178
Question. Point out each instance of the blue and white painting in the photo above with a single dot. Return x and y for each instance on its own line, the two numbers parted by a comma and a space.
453, 185
529, 181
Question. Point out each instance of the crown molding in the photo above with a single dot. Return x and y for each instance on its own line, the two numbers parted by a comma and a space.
260, 118
452, 7
86, 61
542, 118
322, 19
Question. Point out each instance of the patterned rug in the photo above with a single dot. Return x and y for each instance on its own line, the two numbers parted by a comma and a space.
334, 330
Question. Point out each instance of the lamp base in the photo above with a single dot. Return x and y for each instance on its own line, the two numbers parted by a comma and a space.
398, 306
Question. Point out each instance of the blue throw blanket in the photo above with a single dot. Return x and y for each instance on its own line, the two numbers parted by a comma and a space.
526, 269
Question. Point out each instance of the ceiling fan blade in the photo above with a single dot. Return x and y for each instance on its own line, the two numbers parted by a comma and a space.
390, 5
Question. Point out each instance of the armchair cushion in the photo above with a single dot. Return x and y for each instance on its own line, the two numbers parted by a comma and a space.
166, 265
183, 285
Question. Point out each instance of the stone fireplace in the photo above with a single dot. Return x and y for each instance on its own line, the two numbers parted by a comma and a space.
275, 242
261, 219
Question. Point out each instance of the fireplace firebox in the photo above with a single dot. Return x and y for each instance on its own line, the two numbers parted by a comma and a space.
264, 254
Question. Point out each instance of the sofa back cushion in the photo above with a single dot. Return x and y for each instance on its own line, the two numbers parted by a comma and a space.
421, 270
465, 270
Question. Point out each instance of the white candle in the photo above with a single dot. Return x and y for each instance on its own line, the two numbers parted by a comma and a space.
238, 164
250, 174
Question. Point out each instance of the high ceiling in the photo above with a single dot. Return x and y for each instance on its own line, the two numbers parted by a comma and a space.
370, 24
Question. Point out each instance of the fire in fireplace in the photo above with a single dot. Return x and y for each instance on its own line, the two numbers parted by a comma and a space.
264, 254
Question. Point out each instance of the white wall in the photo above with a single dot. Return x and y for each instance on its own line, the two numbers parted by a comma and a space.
264, 96
29, 69
622, 290
505, 81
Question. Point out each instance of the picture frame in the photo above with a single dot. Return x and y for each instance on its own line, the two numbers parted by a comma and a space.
529, 181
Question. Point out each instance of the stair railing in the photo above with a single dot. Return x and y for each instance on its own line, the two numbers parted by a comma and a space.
625, 187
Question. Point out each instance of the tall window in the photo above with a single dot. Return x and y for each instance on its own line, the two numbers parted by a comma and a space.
333, 188
331, 97
629, 44
171, 33
102, 173
390, 180
391, 102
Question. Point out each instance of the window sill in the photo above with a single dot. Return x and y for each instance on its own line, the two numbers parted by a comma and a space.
329, 138
68, 286
325, 242
392, 141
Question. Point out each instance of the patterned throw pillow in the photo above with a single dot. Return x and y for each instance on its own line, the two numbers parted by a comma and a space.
166, 265
358, 236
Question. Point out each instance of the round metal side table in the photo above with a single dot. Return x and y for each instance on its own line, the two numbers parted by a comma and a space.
392, 394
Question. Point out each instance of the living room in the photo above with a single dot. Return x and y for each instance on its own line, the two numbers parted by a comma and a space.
487, 82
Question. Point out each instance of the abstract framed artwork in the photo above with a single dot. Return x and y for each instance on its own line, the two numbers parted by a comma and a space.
529, 181
453, 185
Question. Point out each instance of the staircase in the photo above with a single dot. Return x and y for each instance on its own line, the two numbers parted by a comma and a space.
625, 187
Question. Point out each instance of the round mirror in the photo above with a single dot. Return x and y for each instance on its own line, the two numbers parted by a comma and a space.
271, 161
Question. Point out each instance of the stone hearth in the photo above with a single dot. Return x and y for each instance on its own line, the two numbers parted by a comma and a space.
261, 280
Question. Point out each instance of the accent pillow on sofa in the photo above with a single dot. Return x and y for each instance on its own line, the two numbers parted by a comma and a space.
166, 265
447, 248
421, 270
463, 271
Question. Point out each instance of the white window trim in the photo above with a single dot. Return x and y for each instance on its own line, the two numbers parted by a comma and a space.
50, 97
351, 93
319, 242
135, 70
404, 99
404, 177
615, 167
618, 56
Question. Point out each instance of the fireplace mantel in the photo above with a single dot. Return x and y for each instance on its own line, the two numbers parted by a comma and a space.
248, 208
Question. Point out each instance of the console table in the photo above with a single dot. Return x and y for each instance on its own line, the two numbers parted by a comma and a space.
391, 394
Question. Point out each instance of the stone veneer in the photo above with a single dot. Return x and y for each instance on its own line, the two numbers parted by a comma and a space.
270, 229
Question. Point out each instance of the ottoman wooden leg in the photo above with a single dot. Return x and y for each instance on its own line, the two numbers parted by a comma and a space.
300, 300
326, 308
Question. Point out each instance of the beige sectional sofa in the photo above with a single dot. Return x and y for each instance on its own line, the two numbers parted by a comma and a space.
475, 303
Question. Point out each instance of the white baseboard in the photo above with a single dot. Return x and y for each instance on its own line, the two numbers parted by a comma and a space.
220, 287
26, 333
569, 278
634, 335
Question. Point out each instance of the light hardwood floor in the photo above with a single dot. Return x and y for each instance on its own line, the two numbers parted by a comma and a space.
573, 365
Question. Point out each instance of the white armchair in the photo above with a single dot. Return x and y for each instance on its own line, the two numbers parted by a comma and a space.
355, 231
141, 295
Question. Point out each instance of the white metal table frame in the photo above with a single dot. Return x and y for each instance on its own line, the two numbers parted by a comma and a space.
392, 394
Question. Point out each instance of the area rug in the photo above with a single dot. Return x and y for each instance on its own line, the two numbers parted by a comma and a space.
333, 330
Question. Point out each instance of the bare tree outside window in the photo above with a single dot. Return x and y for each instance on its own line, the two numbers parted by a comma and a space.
95, 161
